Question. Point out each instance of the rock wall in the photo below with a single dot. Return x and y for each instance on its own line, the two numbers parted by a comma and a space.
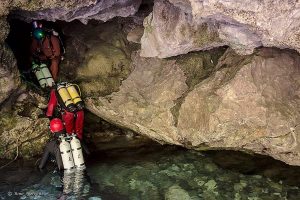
9, 75
180, 26
170, 31
242, 103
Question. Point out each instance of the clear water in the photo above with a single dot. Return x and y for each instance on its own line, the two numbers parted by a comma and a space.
153, 173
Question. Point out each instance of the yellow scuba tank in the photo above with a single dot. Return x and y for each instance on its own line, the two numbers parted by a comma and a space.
75, 95
48, 76
65, 96
39, 75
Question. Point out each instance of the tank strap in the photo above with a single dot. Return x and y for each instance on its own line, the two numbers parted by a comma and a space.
41, 79
35, 69
45, 66
67, 100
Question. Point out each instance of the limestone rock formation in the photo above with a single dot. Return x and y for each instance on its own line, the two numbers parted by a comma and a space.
197, 100
9, 75
73, 9
170, 31
242, 103
180, 26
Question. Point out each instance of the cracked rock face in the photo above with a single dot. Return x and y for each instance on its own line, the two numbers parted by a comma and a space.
242, 103
176, 26
84, 11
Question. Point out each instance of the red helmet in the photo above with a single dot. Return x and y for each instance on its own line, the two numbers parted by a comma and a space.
56, 125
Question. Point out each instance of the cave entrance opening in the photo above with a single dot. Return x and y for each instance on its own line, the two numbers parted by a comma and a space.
19, 40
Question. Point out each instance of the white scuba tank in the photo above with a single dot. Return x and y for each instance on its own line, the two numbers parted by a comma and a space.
77, 152
47, 75
66, 154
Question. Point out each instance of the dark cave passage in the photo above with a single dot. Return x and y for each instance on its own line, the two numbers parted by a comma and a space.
19, 40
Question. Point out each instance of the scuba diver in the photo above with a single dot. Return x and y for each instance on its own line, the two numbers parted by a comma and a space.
52, 147
70, 162
65, 102
66, 150
45, 48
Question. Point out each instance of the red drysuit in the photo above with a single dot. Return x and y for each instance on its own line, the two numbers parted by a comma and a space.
67, 117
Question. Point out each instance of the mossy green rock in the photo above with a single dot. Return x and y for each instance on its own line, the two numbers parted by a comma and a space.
22, 132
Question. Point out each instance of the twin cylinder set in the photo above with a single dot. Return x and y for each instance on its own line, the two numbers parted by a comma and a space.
71, 153
43, 75
70, 96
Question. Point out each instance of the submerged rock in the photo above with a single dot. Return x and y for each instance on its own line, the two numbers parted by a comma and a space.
177, 193
140, 175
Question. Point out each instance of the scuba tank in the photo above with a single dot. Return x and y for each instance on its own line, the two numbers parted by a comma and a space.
75, 96
44, 69
66, 154
39, 75
77, 152
65, 96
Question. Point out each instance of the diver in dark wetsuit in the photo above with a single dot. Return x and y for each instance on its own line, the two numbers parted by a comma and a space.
52, 147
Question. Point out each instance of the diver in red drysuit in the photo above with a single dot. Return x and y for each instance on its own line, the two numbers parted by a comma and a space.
73, 120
